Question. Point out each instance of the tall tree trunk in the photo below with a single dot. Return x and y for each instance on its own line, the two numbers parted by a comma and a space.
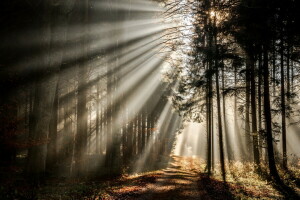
292, 72
209, 122
144, 128
67, 145
268, 117
220, 127
97, 126
139, 132
82, 113
52, 145
253, 111
260, 101
212, 128
283, 111
288, 67
274, 55
219, 115
108, 156
209, 132
226, 133
247, 114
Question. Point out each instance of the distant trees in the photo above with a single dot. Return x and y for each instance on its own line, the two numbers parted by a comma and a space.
247, 39
52, 28
80, 82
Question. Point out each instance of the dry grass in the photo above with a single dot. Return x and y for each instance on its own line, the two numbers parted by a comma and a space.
243, 182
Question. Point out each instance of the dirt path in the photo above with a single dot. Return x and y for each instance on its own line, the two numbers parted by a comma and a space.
178, 181
183, 180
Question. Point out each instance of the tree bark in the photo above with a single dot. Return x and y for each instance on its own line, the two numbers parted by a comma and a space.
283, 110
253, 111
247, 114
82, 113
268, 117
52, 146
220, 127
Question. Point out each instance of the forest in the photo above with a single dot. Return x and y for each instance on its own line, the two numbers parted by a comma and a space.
149, 99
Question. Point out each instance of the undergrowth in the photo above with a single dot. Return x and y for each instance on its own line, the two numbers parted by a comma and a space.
243, 181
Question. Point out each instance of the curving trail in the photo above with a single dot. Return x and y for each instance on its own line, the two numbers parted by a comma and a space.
184, 179
178, 181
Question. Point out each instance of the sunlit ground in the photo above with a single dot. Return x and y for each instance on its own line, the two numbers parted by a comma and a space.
184, 178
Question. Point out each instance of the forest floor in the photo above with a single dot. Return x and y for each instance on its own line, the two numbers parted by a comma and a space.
182, 179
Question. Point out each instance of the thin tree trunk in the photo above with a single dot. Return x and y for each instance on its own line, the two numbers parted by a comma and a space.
219, 115
226, 133
97, 138
82, 112
52, 146
260, 101
221, 148
283, 111
143, 129
209, 128
247, 114
139, 132
253, 110
274, 69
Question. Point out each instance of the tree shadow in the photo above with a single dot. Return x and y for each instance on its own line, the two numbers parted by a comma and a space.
287, 191
293, 177
214, 189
